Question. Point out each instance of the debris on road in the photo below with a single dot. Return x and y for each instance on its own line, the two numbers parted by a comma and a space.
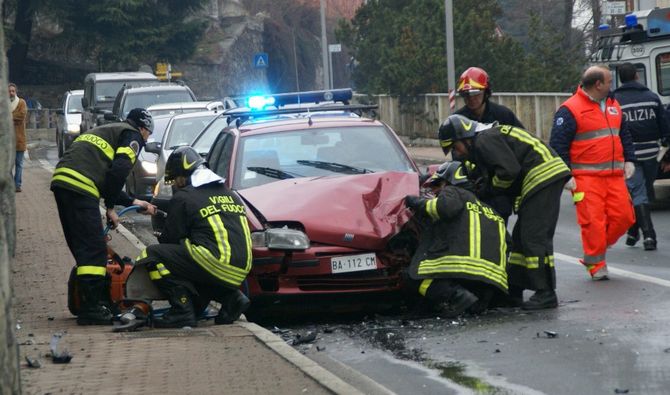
548, 334
306, 338
33, 362
58, 356
621, 391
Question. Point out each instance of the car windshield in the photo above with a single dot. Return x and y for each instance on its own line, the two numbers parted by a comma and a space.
270, 157
74, 104
160, 124
176, 111
204, 141
146, 99
106, 91
183, 131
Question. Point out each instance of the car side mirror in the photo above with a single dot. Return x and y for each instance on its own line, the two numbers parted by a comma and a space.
84, 103
154, 147
110, 117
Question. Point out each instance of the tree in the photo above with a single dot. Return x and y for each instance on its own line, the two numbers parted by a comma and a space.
117, 34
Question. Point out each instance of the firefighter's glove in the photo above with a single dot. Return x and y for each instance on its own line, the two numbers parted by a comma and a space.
571, 185
112, 218
413, 202
628, 169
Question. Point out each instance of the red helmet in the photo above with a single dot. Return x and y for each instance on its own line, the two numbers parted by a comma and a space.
473, 79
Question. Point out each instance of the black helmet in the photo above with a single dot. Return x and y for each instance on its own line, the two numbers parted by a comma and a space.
454, 173
141, 118
456, 127
182, 162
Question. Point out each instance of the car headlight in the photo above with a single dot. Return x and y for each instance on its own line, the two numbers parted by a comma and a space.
280, 239
162, 190
73, 128
149, 167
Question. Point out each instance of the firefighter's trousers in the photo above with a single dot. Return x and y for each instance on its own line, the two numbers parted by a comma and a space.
604, 213
80, 218
174, 261
531, 261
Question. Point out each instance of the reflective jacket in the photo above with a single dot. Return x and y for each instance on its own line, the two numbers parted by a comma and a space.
99, 161
211, 222
463, 238
596, 148
515, 163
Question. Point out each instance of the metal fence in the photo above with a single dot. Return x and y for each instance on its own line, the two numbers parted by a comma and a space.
45, 118
420, 117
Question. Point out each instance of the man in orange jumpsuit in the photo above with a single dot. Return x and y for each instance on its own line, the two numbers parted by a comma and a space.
591, 137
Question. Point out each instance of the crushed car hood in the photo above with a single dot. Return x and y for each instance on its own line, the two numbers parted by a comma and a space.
357, 211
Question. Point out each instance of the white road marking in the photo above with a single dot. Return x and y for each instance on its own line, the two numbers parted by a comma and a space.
619, 272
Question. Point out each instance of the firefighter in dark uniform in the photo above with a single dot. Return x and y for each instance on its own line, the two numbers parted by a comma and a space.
96, 166
474, 86
517, 164
205, 251
461, 258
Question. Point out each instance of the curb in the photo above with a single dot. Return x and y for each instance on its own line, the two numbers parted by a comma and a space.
272, 341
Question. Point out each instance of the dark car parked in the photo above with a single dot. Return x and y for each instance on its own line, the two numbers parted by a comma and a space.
130, 97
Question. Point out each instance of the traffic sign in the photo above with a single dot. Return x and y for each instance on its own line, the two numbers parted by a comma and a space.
614, 8
261, 60
335, 48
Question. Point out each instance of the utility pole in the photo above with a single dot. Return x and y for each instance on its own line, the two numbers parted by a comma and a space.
324, 47
10, 379
449, 18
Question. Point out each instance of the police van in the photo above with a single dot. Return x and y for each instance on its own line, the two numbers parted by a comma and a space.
643, 41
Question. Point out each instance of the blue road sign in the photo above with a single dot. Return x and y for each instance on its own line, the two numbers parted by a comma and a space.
261, 60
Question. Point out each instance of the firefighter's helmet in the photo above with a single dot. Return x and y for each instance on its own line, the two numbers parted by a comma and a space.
140, 117
473, 81
456, 127
182, 162
453, 172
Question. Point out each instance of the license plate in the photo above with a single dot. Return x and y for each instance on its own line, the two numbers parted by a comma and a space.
353, 263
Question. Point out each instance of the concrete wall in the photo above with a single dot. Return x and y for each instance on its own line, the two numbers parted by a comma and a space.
420, 117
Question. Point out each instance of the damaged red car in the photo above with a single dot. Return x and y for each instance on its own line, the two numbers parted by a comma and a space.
324, 191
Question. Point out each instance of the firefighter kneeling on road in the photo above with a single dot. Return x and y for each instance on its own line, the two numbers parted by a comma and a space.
461, 259
515, 163
205, 251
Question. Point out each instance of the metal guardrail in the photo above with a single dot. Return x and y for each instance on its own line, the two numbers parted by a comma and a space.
45, 118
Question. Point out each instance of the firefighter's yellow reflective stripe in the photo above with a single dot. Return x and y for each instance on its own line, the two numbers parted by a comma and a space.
577, 197
128, 152
142, 255
467, 265
502, 232
446, 143
431, 209
154, 275
498, 183
247, 240
221, 267
423, 288
99, 143
529, 262
550, 260
162, 269
542, 173
91, 271
475, 235
76, 179
522, 135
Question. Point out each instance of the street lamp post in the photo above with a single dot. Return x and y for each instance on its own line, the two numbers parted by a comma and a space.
324, 47
449, 19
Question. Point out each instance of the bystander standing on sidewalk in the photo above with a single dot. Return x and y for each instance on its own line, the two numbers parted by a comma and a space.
19, 115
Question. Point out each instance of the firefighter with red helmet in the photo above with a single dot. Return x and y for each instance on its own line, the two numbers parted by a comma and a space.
474, 87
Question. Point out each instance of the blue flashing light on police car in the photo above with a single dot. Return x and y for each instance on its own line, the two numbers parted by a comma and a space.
604, 26
631, 20
260, 102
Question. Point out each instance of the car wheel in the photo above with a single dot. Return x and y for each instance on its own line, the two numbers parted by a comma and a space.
59, 142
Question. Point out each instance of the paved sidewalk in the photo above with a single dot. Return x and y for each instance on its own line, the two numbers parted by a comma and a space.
242, 358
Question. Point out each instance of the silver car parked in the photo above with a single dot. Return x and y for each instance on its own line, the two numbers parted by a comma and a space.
69, 119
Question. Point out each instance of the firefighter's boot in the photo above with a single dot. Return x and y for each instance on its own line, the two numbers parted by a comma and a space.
452, 298
92, 304
633, 234
542, 299
233, 304
648, 233
182, 312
